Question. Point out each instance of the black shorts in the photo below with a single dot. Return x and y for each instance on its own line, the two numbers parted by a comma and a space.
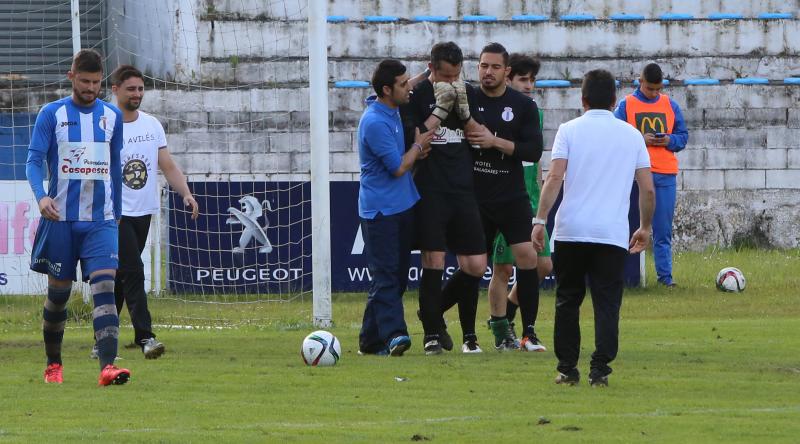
512, 218
132, 238
449, 222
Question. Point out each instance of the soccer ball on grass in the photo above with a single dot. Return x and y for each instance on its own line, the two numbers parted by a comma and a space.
321, 349
730, 279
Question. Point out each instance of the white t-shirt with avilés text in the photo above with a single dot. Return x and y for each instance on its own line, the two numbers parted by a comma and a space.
603, 154
142, 139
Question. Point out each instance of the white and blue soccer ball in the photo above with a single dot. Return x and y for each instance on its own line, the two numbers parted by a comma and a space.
730, 279
321, 349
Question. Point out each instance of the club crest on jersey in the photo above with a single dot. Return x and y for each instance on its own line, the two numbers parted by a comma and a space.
103, 124
507, 114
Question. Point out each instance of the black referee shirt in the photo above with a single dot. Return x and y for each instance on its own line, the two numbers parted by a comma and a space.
515, 117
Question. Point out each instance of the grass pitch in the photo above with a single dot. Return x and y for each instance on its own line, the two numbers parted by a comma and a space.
695, 365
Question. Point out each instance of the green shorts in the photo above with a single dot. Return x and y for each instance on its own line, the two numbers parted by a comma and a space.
501, 253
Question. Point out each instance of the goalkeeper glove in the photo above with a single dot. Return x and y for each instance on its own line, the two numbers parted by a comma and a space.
445, 97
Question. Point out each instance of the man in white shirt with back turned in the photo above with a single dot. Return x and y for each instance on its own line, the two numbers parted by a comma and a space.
144, 150
596, 157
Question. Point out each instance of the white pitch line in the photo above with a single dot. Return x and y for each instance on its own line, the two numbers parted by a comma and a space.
193, 327
351, 424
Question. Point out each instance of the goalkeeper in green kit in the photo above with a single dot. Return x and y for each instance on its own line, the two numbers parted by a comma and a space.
521, 77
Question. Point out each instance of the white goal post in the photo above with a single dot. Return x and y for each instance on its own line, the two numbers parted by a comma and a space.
320, 190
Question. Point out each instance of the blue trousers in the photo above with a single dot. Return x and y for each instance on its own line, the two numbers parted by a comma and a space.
662, 225
387, 245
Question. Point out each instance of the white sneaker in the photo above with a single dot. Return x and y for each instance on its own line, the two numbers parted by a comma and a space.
471, 347
153, 349
532, 344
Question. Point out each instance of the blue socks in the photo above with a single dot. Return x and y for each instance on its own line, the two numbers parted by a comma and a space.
105, 318
54, 316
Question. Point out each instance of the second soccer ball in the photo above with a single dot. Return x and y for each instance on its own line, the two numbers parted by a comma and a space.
730, 279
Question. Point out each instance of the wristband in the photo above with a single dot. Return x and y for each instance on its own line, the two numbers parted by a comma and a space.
419, 147
537, 221
440, 113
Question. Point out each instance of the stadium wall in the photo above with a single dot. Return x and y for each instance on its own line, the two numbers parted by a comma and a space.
740, 177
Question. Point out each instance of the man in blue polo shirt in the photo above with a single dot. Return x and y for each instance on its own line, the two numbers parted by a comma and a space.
386, 199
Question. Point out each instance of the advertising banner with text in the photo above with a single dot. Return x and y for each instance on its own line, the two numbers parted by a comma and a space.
19, 217
256, 238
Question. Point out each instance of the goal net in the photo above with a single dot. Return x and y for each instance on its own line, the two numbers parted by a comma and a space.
229, 83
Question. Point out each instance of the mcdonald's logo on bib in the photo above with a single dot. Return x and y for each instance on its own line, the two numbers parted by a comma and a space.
651, 123
651, 118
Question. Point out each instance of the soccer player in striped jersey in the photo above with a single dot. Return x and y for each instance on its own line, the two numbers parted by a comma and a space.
80, 139
144, 149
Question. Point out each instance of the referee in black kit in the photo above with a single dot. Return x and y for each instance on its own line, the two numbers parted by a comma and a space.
511, 135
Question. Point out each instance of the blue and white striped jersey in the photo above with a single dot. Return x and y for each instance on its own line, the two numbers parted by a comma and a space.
82, 147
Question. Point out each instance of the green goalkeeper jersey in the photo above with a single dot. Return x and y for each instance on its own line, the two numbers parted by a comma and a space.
530, 171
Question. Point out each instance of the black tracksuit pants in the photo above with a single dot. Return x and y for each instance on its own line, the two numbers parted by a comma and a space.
129, 285
603, 265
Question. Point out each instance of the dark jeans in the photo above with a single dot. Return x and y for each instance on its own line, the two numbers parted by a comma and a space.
129, 284
387, 245
603, 264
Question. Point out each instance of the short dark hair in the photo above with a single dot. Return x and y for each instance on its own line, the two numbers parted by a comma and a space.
446, 52
87, 60
652, 73
495, 48
385, 75
522, 64
599, 89
123, 73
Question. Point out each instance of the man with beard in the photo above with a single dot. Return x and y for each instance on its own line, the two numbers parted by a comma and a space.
521, 77
144, 147
511, 135
386, 199
80, 138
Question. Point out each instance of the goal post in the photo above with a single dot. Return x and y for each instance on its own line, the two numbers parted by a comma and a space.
320, 189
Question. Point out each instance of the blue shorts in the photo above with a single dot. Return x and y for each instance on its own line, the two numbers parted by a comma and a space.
60, 244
